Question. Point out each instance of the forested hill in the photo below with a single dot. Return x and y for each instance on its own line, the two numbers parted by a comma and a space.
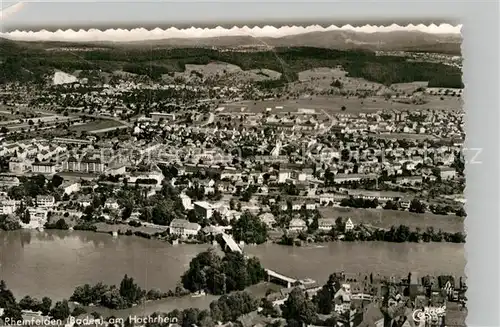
24, 61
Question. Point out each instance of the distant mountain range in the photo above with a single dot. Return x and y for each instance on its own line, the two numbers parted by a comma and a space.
341, 40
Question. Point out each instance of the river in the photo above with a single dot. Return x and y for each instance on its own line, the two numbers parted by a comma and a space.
53, 263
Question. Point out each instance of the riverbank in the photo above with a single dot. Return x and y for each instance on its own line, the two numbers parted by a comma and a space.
362, 231
179, 303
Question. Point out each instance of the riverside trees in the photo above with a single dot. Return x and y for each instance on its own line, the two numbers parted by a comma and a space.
207, 271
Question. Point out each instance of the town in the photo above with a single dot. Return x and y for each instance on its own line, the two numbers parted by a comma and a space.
234, 159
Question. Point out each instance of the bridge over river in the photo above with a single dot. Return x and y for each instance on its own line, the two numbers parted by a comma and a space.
271, 274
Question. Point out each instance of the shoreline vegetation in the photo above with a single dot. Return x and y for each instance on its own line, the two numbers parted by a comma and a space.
360, 233
365, 233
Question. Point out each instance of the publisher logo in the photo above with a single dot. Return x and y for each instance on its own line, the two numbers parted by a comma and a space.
428, 314
419, 315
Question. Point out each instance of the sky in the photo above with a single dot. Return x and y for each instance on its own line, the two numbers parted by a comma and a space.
39, 15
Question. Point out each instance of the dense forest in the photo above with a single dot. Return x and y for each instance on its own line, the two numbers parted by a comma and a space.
25, 61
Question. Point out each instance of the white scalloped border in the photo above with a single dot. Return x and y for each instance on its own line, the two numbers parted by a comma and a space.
142, 34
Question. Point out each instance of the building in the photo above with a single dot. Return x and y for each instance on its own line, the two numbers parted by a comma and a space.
326, 224
349, 226
204, 209
38, 218
117, 170
343, 299
268, 219
111, 204
186, 201
17, 166
71, 141
9, 181
447, 172
284, 176
8, 207
46, 201
158, 116
84, 201
71, 188
93, 166
43, 167
184, 228
297, 225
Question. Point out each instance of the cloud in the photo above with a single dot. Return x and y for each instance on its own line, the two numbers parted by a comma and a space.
142, 34
9, 11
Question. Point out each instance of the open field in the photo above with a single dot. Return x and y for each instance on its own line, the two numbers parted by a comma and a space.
321, 78
96, 125
353, 105
387, 218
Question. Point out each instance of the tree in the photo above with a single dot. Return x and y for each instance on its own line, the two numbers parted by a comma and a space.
60, 310
190, 317
79, 310
268, 309
46, 305
339, 224
231, 307
207, 271
29, 303
391, 205
130, 291
8, 302
461, 212
343, 108
57, 180
298, 308
417, 206
313, 226
249, 229
25, 217
324, 300
13, 312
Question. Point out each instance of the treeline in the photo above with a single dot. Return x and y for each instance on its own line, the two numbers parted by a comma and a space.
402, 233
228, 308
220, 275
288, 61
125, 296
396, 234
13, 309
59, 224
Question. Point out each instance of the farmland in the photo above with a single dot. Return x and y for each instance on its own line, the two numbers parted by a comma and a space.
388, 218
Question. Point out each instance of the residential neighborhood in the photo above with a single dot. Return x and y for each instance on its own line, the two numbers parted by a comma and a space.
222, 186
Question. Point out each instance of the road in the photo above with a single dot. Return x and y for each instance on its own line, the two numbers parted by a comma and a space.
109, 129
332, 122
